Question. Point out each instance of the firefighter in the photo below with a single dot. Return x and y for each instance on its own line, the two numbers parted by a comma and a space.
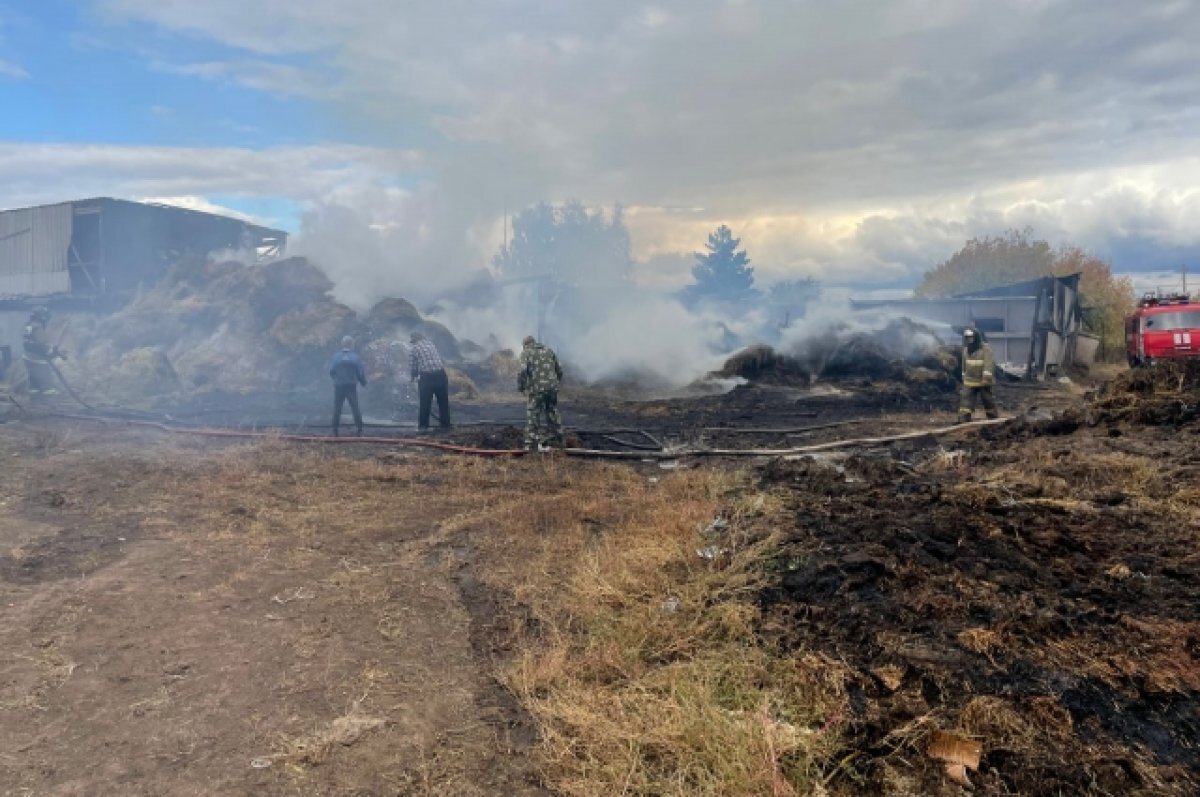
978, 376
39, 354
538, 379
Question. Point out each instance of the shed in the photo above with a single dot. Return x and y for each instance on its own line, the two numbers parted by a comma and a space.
1034, 327
100, 246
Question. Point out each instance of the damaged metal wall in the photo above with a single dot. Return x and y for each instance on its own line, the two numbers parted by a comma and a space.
34, 243
92, 247
1034, 326
1007, 322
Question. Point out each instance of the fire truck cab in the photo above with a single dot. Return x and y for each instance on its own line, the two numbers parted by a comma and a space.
1163, 327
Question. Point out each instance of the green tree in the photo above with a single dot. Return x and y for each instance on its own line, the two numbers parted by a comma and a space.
722, 273
1017, 256
573, 244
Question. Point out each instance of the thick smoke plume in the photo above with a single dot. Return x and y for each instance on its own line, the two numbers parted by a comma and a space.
590, 306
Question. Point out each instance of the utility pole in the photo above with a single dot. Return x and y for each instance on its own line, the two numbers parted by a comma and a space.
1183, 275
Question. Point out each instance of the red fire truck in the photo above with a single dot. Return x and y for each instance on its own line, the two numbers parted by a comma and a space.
1162, 327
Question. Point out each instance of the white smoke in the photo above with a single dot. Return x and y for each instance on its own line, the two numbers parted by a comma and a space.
418, 245
829, 326
386, 242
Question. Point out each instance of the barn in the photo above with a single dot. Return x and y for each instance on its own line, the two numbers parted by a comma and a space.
1034, 327
91, 255
103, 246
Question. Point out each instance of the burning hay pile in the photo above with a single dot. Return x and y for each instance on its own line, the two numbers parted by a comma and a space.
901, 352
228, 328
212, 326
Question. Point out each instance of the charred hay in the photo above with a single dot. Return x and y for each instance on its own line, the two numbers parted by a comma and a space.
1030, 611
902, 352
1166, 393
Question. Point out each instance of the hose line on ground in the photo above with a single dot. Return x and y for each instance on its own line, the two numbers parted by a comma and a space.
516, 452
407, 442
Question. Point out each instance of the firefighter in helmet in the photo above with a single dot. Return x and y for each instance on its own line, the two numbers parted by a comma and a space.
38, 354
978, 376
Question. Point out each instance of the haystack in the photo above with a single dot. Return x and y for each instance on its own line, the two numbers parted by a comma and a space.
144, 373
391, 314
461, 385
763, 363
321, 324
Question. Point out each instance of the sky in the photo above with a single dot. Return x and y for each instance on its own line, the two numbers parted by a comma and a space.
858, 142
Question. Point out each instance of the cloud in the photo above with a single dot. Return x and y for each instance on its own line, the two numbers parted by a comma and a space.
855, 143
41, 173
13, 70
267, 76
751, 103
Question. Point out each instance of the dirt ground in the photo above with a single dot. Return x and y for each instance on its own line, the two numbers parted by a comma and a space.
188, 616
184, 618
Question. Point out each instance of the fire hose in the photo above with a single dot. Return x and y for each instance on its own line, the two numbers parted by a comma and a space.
202, 431
517, 452
640, 453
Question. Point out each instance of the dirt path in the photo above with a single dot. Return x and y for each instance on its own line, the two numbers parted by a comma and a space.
188, 620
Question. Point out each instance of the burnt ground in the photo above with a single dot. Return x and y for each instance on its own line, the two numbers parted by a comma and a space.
1034, 588
784, 413
185, 616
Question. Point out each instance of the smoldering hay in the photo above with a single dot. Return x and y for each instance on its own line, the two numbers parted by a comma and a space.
224, 328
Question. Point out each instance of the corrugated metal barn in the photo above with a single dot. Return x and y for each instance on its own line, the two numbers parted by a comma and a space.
94, 247
1035, 327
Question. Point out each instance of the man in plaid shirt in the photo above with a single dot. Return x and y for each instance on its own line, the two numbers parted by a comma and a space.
425, 365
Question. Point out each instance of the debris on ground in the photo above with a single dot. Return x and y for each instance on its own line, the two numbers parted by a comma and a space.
1167, 392
869, 360
1036, 596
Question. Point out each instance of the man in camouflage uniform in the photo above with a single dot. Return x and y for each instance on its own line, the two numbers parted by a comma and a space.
538, 379
38, 354
978, 376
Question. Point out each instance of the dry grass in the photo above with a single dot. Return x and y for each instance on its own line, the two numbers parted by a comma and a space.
642, 665
1046, 478
1028, 725
646, 673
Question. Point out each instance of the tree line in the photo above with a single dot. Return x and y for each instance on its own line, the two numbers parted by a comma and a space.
578, 245
1017, 256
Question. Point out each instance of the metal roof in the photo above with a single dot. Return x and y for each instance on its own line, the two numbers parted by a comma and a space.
157, 205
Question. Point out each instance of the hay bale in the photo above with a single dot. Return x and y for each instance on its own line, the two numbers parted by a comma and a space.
504, 365
763, 363
295, 275
392, 314
498, 372
318, 324
461, 385
1165, 376
142, 373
